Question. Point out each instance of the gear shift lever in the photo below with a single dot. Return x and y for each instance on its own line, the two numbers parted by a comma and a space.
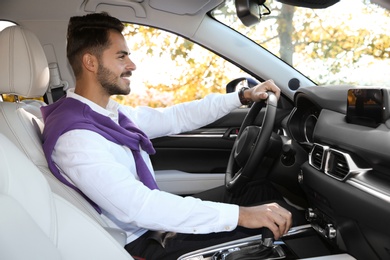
267, 237
266, 249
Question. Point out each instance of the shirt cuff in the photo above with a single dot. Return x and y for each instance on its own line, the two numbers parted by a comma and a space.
234, 99
228, 220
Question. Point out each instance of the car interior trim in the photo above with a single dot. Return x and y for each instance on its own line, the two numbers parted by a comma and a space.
380, 194
335, 163
336, 160
198, 254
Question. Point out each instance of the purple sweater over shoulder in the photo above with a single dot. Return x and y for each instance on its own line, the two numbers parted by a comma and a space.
70, 114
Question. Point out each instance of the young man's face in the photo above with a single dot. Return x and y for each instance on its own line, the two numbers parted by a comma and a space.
115, 66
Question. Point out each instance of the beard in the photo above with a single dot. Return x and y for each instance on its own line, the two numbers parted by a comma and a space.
109, 81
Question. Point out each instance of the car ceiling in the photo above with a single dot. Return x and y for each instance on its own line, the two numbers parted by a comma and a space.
181, 7
156, 13
62, 10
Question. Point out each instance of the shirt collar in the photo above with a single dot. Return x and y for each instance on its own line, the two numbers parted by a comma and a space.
111, 110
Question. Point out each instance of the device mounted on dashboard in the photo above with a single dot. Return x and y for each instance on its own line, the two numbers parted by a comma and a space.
365, 107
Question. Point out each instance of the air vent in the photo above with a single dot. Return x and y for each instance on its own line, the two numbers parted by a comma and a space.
337, 165
317, 155
334, 163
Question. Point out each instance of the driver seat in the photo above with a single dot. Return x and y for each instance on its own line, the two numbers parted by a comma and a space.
24, 72
35, 223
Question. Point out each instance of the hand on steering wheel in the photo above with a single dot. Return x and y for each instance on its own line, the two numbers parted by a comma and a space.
251, 143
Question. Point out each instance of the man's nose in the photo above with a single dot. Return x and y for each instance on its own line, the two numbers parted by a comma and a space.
130, 64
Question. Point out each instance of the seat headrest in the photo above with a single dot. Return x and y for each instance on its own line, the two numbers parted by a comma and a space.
24, 70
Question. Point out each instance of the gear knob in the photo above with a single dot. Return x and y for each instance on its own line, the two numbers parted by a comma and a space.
267, 237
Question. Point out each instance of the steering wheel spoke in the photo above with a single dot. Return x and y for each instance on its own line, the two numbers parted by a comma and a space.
245, 144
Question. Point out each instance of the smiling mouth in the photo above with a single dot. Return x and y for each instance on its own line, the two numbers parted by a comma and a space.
126, 79
126, 74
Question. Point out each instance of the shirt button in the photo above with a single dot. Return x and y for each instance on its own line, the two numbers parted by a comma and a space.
227, 228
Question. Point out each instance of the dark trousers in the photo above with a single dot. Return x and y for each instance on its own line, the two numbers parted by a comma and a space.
155, 245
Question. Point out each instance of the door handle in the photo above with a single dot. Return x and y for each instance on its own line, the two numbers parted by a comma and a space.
231, 133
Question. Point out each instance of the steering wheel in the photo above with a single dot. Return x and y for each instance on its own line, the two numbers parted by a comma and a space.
250, 145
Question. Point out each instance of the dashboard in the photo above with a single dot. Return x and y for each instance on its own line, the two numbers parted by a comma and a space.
346, 176
309, 102
303, 121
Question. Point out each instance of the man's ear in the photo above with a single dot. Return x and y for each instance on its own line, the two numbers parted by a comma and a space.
90, 62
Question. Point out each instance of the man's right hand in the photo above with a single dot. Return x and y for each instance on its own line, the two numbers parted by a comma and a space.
259, 92
272, 216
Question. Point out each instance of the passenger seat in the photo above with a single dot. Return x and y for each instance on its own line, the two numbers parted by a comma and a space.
24, 72
38, 224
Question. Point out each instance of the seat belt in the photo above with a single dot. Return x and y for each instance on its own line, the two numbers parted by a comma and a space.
57, 87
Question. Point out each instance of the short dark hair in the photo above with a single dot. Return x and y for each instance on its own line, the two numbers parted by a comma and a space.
89, 33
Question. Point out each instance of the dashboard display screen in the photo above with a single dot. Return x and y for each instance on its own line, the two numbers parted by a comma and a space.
365, 107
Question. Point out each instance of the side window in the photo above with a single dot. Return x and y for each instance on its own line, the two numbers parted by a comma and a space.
171, 69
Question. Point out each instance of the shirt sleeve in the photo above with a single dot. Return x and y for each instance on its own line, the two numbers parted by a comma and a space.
102, 170
182, 117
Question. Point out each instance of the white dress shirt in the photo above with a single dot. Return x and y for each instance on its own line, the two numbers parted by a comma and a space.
106, 173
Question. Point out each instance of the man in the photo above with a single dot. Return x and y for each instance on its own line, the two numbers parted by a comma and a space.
103, 148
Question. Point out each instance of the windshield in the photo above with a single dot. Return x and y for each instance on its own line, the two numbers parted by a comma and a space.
347, 43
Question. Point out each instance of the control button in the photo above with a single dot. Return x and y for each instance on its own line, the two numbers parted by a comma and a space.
288, 155
330, 231
300, 177
310, 215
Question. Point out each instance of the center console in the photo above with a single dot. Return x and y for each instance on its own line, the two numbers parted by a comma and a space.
300, 242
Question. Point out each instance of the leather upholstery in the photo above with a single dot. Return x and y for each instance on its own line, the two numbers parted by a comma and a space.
38, 224
24, 70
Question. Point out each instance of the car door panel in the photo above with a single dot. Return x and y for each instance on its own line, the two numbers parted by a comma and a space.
204, 150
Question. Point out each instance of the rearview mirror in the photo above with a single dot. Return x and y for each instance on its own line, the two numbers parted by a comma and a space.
248, 11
